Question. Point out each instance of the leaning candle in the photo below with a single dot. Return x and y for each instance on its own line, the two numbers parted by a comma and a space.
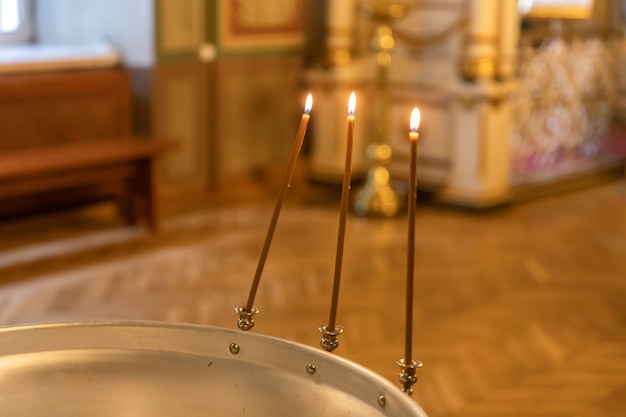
345, 191
281, 196
413, 136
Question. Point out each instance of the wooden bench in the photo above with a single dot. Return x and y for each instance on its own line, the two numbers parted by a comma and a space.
65, 139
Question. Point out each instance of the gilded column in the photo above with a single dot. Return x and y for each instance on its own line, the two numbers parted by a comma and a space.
340, 20
479, 60
508, 39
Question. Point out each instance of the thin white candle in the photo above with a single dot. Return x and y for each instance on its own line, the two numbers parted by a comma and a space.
345, 191
297, 145
413, 136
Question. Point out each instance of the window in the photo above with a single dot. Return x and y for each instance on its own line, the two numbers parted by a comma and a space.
15, 21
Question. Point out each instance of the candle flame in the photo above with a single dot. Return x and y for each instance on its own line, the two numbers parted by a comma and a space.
415, 119
352, 104
308, 104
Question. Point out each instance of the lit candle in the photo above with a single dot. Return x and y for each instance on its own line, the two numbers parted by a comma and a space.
345, 191
413, 137
297, 145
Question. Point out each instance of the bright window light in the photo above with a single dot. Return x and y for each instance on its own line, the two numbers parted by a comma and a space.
9, 15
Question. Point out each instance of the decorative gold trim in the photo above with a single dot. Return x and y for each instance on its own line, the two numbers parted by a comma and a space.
478, 67
568, 10
249, 24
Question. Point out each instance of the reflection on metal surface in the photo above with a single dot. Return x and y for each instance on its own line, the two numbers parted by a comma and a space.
234, 348
310, 369
156, 369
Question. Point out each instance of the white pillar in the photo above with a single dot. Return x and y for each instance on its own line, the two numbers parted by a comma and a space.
480, 158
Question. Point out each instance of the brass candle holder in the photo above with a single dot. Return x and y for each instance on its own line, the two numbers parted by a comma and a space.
246, 320
408, 374
329, 340
377, 197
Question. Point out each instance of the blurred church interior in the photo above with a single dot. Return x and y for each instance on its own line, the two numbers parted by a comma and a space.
143, 143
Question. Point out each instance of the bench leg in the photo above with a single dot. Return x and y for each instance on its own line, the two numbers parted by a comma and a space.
138, 200
126, 202
148, 187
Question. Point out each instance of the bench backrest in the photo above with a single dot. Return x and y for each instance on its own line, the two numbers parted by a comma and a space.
44, 109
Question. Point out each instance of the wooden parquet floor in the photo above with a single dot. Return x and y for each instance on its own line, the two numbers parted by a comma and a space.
519, 312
